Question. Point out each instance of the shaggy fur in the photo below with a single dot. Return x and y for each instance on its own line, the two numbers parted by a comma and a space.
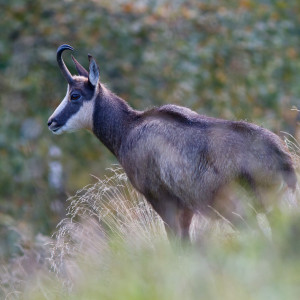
180, 161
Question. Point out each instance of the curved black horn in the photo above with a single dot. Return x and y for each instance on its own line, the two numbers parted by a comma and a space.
80, 69
61, 63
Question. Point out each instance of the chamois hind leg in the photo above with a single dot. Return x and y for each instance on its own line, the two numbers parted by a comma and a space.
239, 204
266, 205
281, 202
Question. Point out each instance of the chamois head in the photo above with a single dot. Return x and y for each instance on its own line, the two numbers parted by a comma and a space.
76, 109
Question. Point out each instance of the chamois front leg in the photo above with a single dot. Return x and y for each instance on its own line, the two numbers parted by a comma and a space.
177, 219
185, 219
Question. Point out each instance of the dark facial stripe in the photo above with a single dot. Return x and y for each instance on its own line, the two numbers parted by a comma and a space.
69, 110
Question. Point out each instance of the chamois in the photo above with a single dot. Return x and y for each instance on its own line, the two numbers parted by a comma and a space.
182, 162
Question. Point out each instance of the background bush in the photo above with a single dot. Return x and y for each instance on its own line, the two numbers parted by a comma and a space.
229, 59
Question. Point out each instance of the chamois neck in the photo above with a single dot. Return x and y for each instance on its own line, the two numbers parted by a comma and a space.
112, 118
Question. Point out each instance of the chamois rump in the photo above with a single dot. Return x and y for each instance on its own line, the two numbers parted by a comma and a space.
182, 162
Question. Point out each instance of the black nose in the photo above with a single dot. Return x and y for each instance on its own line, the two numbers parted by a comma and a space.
52, 121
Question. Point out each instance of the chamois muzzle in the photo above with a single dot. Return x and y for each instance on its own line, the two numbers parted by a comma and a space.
53, 125
61, 63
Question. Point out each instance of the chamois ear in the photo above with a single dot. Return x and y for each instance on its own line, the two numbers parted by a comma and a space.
94, 73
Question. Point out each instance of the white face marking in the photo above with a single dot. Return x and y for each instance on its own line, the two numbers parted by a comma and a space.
81, 119
61, 106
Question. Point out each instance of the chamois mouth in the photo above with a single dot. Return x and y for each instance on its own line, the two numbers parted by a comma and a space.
57, 130
54, 128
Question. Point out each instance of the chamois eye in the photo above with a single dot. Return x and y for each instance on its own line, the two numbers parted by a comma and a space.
75, 97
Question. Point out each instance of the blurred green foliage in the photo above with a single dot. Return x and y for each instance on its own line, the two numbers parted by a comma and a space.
229, 59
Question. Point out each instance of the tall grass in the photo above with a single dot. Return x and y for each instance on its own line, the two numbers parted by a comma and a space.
112, 245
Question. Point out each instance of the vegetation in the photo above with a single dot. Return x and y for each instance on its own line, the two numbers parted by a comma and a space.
113, 246
230, 59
